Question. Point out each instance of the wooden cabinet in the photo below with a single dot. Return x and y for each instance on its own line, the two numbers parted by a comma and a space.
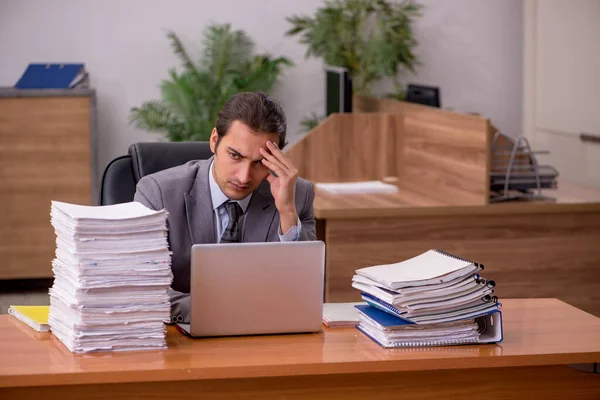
562, 85
45, 154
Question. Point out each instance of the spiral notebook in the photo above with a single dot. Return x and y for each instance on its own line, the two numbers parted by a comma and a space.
465, 288
451, 313
430, 268
390, 331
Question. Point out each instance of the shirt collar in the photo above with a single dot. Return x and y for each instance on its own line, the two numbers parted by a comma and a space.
217, 195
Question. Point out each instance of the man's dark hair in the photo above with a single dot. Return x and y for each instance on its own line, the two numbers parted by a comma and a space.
255, 109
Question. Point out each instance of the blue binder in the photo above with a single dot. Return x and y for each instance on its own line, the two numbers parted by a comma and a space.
490, 324
52, 76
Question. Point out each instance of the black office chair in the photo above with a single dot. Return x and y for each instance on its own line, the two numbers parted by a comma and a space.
123, 173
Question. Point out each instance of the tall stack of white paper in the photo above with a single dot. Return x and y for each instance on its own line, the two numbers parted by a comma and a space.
111, 275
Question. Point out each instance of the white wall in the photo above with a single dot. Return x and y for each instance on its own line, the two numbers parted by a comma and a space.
473, 50
470, 48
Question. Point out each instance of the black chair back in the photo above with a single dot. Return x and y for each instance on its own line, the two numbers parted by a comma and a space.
123, 173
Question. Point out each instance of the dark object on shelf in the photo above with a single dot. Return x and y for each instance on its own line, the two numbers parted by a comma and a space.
515, 173
338, 90
427, 95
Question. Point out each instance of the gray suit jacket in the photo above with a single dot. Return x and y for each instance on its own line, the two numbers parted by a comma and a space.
185, 193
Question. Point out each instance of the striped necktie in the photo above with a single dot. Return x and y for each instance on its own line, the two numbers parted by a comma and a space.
232, 231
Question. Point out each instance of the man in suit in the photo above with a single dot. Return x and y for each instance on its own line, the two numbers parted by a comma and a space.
249, 191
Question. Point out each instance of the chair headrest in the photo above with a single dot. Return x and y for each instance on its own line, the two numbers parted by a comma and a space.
151, 157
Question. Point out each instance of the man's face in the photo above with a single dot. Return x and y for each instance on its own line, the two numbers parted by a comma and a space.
237, 167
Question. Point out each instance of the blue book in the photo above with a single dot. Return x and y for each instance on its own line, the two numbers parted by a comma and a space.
52, 76
381, 327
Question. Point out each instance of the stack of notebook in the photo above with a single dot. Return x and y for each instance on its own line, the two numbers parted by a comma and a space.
432, 299
111, 275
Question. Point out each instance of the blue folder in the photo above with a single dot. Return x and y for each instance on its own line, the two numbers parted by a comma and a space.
383, 318
52, 76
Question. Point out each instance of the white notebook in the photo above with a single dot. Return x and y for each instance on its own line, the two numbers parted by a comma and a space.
337, 315
429, 268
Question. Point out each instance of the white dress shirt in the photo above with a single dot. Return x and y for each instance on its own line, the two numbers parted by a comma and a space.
222, 218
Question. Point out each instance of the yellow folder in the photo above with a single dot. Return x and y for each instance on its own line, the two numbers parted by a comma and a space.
34, 316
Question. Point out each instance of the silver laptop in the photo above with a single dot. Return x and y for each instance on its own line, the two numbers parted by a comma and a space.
256, 288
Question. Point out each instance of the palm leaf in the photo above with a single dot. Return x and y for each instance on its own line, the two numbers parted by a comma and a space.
191, 100
154, 116
371, 38
310, 122
225, 51
180, 52
261, 73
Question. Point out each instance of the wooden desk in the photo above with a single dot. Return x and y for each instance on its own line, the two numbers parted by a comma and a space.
541, 336
531, 249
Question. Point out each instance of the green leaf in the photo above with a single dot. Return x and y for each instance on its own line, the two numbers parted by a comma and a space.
181, 52
371, 38
191, 100
311, 122
156, 117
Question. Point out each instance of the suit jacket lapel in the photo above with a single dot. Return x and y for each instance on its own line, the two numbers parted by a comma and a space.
198, 207
260, 214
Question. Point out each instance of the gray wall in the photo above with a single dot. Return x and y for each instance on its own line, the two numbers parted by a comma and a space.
472, 49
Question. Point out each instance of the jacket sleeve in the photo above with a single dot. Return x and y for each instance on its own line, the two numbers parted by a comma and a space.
149, 194
307, 216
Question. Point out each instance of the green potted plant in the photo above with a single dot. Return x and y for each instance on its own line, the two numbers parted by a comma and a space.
373, 39
191, 99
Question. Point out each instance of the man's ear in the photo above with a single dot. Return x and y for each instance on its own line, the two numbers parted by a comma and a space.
214, 138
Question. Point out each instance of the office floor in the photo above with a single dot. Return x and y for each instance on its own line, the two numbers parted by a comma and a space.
30, 292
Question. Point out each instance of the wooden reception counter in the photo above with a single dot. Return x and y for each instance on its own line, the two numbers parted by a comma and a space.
531, 249
441, 161
541, 336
